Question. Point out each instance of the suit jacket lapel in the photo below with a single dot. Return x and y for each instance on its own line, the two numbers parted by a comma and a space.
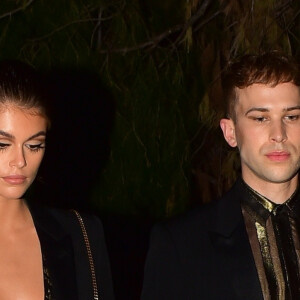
57, 250
230, 239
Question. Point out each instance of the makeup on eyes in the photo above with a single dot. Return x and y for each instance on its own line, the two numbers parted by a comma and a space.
33, 147
36, 147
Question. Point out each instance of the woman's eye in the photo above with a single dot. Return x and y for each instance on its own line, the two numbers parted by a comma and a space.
35, 147
3, 146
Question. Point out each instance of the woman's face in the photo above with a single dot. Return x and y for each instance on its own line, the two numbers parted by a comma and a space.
22, 146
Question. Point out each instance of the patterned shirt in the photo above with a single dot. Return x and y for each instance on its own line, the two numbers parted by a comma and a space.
273, 231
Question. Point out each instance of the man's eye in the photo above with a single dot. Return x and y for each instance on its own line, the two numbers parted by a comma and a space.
292, 117
259, 119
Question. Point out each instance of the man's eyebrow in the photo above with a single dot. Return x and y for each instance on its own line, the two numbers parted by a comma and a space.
293, 108
263, 109
260, 109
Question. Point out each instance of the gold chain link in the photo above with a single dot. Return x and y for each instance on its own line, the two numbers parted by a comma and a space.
89, 253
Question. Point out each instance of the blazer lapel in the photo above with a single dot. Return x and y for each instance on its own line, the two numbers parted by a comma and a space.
233, 251
57, 250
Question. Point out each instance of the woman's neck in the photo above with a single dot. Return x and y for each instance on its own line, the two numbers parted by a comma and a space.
14, 214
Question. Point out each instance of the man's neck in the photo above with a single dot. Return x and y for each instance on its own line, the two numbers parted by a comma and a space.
276, 192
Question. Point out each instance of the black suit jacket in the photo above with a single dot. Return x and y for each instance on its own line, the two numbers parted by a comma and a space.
203, 255
66, 258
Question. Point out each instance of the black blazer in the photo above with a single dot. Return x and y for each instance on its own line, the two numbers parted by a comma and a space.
66, 258
203, 255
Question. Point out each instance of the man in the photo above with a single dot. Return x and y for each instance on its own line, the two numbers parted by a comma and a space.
246, 245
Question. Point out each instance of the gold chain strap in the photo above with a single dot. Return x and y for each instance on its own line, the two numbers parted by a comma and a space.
89, 253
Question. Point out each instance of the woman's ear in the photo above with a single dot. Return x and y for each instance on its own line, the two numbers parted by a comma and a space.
228, 128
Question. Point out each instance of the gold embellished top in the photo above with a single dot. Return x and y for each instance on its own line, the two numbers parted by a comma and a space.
273, 231
47, 281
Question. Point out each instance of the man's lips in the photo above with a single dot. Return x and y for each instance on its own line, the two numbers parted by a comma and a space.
278, 155
14, 179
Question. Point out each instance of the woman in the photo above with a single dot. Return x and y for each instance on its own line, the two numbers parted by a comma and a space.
44, 253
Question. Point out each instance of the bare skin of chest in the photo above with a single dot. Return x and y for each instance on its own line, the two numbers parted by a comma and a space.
21, 270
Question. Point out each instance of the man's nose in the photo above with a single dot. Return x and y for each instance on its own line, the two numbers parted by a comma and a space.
278, 132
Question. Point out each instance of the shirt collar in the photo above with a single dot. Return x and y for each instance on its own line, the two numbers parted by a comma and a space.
263, 207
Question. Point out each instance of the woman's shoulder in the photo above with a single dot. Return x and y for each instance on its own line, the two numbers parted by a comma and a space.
82, 233
68, 221
74, 219
67, 214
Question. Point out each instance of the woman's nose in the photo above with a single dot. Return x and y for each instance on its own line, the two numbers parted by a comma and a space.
18, 159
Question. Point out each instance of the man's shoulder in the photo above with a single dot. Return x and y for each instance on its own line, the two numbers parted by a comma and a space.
199, 215
196, 219
204, 217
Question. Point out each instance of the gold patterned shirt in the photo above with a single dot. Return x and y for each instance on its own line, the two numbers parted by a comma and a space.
273, 231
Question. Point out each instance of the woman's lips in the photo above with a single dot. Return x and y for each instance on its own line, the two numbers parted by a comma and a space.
278, 156
14, 179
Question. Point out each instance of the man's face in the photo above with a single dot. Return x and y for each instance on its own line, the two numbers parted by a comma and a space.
267, 133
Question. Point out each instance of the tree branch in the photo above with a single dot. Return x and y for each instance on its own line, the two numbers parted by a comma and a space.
164, 35
199, 13
153, 42
13, 12
61, 28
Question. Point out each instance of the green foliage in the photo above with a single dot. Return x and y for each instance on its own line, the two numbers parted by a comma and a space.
162, 61
150, 144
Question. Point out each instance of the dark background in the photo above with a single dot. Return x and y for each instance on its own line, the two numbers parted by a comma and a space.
137, 98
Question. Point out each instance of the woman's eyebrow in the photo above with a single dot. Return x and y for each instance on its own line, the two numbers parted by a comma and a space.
10, 136
40, 133
6, 134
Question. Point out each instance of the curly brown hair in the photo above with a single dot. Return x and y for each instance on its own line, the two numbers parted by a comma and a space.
270, 68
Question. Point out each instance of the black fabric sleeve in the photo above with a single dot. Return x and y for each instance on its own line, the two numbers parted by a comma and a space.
163, 274
100, 255
96, 237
